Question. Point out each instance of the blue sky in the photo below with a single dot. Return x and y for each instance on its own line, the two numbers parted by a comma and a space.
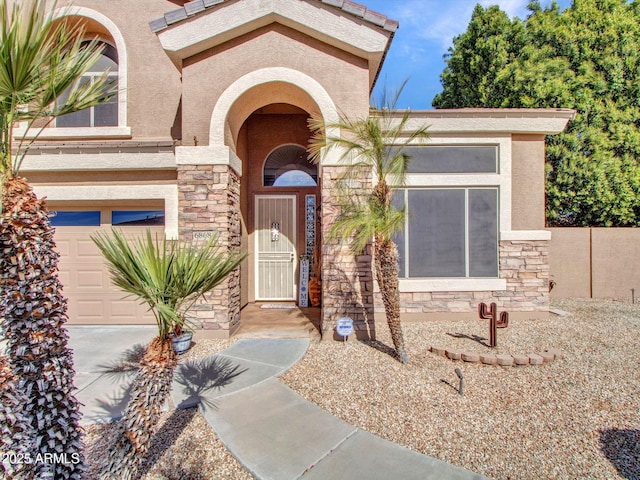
427, 29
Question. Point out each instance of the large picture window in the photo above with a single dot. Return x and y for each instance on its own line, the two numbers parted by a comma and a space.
103, 115
449, 232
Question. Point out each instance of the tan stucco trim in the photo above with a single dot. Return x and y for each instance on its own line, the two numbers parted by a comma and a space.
229, 21
99, 161
79, 193
264, 76
67, 133
209, 155
473, 120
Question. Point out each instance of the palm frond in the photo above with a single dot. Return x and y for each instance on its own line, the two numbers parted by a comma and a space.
41, 58
167, 276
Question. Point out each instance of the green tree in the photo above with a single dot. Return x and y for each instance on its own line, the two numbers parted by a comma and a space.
168, 277
585, 57
40, 58
373, 145
478, 56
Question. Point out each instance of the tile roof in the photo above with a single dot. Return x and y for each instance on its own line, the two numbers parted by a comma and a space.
196, 6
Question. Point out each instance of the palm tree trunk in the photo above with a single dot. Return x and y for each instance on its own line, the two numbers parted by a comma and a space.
16, 435
151, 389
386, 257
33, 313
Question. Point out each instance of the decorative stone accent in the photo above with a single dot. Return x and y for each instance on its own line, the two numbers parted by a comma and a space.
520, 359
488, 359
470, 357
523, 264
535, 359
209, 203
547, 357
503, 360
454, 354
347, 282
439, 351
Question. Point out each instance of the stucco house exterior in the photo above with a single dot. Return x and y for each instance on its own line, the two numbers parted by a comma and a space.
208, 135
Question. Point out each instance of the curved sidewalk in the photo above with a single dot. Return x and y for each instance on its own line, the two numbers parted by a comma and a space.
273, 432
276, 434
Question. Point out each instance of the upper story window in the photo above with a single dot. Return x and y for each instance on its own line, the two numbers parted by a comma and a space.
289, 166
443, 159
106, 114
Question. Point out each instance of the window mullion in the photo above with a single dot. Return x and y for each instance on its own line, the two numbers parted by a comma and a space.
466, 232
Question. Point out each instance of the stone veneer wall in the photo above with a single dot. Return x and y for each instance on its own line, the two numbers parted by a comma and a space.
524, 265
209, 201
347, 279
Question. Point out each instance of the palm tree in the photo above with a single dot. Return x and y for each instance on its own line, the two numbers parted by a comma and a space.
374, 145
169, 277
15, 428
41, 57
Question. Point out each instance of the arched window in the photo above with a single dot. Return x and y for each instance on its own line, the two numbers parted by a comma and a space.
106, 114
289, 166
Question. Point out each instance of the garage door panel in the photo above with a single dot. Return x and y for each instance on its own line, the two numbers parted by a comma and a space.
87, 251
90, 279
92, 298
63, 247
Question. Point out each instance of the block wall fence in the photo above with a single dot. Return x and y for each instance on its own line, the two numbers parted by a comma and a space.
595, 262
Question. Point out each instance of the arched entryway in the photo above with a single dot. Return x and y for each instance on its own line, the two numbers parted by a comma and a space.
279, 196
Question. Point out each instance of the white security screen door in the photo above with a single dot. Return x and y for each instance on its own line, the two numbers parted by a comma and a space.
275, 232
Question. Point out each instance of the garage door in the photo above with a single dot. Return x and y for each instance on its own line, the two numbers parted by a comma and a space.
86, 281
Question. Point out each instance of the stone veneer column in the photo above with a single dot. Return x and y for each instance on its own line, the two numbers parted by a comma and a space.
347, 279
525, 266
209, 203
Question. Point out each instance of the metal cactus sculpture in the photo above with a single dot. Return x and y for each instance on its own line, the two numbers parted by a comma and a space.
491, 314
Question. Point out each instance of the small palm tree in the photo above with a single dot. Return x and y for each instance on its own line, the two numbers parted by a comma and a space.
41, 57
169, 277
373, 146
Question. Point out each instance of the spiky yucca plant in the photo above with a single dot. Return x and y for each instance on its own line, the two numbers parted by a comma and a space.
41, 57
373, 146
169, 277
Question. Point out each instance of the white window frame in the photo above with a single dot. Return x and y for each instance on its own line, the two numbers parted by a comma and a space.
467, 259
500, 180
122, 130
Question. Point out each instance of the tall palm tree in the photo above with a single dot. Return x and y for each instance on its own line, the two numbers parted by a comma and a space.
16, 434
41, 57
169, 277
373, 146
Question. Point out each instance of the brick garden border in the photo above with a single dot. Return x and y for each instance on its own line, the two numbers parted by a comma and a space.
502, 360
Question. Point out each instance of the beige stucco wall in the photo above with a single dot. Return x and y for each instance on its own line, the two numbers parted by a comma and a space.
615, 262
595, 262
528, 176
153, 80
570, 263
207, 75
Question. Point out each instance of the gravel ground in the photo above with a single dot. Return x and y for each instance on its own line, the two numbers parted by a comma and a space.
578, 417
185, 447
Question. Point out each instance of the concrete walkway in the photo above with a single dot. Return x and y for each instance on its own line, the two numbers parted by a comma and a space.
273, 432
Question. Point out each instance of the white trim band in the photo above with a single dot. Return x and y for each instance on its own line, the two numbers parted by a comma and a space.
216, 155
525, 235
168, 193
